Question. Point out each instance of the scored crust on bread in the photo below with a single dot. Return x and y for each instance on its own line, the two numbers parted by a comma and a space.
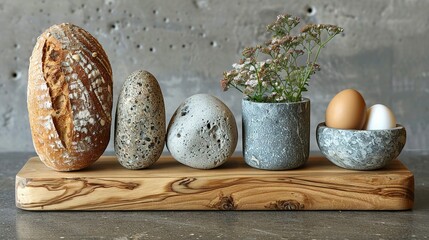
69, 98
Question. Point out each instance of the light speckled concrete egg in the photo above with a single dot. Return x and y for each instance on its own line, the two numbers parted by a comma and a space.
140, 121
202, 132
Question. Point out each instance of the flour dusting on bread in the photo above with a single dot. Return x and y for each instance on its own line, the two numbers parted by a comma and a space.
69, 98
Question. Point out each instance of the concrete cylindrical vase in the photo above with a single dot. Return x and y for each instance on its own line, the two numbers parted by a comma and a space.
276, 136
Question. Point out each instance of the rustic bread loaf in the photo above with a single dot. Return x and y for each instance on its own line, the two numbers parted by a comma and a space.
69, 98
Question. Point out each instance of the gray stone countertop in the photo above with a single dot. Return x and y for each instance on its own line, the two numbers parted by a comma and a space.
20, 224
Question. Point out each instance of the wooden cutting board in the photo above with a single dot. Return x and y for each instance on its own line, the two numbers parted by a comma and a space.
169, 185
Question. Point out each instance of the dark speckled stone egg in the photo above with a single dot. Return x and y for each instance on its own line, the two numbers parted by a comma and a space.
140, 121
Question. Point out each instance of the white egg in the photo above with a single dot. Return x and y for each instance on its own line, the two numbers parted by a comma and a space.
379, 117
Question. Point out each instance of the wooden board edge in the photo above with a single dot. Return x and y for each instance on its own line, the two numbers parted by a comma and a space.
18, 184
407, 204
410, 185
226, 202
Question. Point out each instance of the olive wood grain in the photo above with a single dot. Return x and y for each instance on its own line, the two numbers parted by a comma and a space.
169, 185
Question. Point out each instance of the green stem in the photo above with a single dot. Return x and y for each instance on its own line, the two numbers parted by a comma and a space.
307, 75
236, 87
309, 50
260, 92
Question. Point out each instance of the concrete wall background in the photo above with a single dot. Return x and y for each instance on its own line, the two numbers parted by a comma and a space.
188, 44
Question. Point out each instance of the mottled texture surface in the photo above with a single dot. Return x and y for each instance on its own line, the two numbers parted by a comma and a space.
19, 224
276, 136
202, 132
360, 149
187, 45
140, 121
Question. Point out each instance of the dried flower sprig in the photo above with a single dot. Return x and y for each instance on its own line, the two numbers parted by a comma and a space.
288, 62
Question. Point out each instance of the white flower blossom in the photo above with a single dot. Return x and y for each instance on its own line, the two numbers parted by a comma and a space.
251, 83
274, 40
280, 98
237, 66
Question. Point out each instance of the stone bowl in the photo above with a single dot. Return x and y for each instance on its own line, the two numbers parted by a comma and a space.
360, 149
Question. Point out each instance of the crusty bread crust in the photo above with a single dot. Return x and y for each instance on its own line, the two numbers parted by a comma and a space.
69, 98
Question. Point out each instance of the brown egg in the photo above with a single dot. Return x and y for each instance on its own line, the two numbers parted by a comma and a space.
347, 110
